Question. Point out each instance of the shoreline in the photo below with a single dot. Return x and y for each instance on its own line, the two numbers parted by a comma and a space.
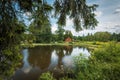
90, 45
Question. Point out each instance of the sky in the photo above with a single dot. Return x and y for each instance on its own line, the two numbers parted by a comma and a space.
107, 14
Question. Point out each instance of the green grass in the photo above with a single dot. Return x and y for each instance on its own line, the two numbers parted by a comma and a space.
88, 44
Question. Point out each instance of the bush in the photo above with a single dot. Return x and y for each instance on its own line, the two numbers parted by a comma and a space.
87, 69
47, 76
66, 78
109, 59
94, 43
103, 64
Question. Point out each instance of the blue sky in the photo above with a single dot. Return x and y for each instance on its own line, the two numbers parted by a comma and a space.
108, 15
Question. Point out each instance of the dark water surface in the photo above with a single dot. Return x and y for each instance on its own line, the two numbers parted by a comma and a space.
47, 58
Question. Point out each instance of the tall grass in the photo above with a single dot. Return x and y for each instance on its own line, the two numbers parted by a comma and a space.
109, 60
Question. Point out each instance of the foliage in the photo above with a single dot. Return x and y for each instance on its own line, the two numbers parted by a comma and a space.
102, 36
60, 33
40, 27
103, 64
68, 34
109, 59
40, 14
78, 10
46, 76
66, 78
87, 68
9, 46
43, 35
99, 36
115, 37
11, 58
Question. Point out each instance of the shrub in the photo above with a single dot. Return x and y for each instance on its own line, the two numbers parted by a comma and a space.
109, 59
87, 68
47, 76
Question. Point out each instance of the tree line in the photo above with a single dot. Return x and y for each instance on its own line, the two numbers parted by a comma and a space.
99, 36
61, 34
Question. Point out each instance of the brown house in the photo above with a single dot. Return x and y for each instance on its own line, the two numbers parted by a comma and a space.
68, 39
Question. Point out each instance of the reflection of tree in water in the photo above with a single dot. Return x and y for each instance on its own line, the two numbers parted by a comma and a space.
62, 51
68, 49
54, 61
84, 48
40, 56
27, 72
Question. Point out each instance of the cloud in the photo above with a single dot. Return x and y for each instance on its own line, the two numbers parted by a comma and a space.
102, 27
117, 10
98, 13
117, 28
109, 27
54, 28
69, 22
27, 14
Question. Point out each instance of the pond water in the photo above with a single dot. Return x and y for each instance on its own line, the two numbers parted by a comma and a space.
47, 58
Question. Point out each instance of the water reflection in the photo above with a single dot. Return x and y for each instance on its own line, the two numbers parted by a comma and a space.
68, 61
47, 58
77, 51
54, 60
27, 72
26, 66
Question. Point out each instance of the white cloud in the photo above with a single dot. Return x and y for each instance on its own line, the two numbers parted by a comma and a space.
98, 13
54, 28
117, 10
27, 14
69, 22
109, 27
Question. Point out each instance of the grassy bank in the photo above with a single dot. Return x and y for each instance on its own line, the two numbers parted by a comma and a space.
90, 45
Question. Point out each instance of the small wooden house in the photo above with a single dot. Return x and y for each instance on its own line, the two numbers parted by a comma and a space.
68, 39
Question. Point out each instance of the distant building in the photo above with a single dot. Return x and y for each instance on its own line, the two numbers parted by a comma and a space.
68, 39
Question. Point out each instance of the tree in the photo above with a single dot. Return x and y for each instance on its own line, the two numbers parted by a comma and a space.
9, 45
44, 36
115, 37
40, 27
68, 34
78, 10
60, 33
102, 36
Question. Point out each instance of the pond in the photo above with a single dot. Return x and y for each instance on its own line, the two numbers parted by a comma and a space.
47, 58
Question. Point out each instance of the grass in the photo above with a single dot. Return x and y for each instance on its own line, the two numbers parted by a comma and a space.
88, 44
